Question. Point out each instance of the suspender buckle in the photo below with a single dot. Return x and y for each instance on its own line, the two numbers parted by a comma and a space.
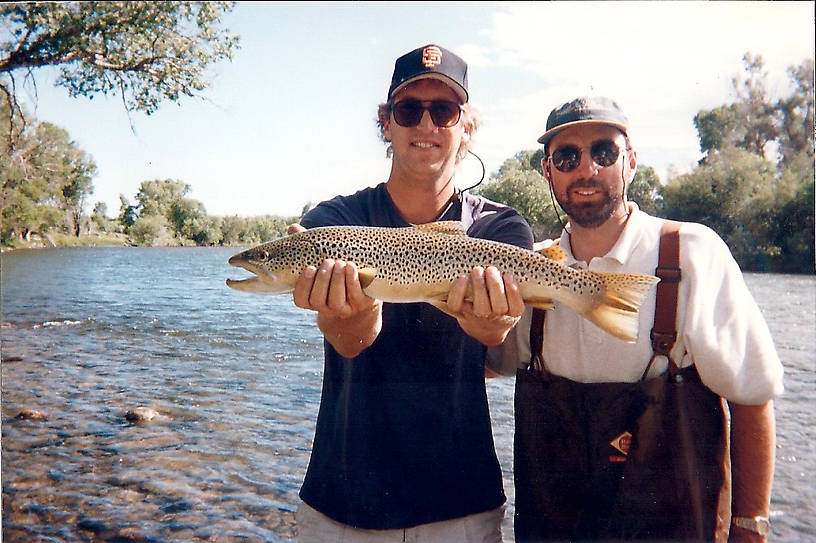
662, 342
668, 274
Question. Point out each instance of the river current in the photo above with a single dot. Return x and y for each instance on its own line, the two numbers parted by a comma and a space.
89, 334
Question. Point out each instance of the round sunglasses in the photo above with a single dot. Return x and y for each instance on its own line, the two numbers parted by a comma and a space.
603, 152
444, 113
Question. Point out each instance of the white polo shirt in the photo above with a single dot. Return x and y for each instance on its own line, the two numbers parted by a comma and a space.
720, 327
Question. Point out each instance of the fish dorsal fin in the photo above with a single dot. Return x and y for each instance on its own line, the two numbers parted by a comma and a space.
443, 227
555, 252
366, 275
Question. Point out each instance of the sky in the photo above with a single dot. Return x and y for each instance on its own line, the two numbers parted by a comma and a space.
291, 119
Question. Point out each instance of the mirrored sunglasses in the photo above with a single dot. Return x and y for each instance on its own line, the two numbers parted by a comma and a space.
603, 152
444, 113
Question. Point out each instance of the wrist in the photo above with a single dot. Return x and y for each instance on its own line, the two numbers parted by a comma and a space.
351, 335
757, 524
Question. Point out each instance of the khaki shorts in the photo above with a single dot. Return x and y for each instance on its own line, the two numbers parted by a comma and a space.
315, 527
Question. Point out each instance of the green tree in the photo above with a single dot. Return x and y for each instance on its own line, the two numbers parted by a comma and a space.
520, 185
99, 217
231, 228
792, 220
127, 213
146, 52
726, 193
645, 190
157, 197
150, 230
269, 227
753, 120
187, 217
77, 171
46, 182
167, 198
208, 232
716, 128
754, 112
795, 114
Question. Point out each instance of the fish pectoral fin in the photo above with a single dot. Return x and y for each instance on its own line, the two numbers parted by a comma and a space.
443, 227
554, 252
539, 303
366, 275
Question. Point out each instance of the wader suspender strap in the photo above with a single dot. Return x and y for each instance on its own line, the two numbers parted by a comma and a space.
537, 342
664, 331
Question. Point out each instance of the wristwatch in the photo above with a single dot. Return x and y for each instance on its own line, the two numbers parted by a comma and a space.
758, 525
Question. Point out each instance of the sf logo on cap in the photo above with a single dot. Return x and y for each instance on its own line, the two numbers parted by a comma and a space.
431, 57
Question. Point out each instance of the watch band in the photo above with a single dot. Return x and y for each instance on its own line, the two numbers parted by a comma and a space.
758, 525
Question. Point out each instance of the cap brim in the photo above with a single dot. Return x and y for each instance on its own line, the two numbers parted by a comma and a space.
549, 134
456, 87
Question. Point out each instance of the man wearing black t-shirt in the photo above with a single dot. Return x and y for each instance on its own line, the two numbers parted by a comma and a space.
403, 449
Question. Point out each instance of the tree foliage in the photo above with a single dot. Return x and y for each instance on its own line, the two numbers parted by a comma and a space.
754, 120
645, 190
146, 52
795, 115
46, 181
731, 193
164, 214
519, 184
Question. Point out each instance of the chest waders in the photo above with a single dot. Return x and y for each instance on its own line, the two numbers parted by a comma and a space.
647, 460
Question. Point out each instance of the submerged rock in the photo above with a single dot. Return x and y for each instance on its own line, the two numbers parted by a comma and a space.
33, 414
141, 414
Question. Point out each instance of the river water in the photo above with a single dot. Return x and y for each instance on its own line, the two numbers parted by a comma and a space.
91, 333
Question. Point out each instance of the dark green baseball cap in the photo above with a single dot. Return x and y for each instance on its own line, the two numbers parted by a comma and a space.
584, 110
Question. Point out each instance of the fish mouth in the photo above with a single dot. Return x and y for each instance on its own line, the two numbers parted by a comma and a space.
257, 285
263, 283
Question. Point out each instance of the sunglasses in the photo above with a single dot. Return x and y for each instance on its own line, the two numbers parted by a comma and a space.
567, 157
444, 113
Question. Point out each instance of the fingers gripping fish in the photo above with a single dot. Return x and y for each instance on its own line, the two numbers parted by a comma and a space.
420, 264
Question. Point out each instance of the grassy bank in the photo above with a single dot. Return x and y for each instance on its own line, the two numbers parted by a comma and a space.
65, 240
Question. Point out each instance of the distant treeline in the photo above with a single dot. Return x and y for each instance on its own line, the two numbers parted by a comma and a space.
754, 185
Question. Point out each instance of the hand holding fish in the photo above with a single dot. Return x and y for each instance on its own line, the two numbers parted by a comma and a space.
494, 305
348, 319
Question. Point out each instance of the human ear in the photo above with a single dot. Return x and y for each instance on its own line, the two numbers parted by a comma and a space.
545, 167
387, 129
632, 157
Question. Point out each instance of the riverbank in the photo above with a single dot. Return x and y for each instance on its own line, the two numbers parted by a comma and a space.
39, 241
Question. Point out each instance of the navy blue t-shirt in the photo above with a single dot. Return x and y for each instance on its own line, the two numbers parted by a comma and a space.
403, 433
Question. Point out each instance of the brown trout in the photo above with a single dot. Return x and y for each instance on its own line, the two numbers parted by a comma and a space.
420, 263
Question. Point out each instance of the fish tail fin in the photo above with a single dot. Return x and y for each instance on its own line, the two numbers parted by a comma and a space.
617, 310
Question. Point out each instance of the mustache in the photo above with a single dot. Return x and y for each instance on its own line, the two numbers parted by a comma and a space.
585, 184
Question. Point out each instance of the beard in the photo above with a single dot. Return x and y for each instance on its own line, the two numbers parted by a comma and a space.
590, 214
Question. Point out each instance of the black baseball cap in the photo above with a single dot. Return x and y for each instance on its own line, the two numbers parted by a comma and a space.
430, 62
584, 110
